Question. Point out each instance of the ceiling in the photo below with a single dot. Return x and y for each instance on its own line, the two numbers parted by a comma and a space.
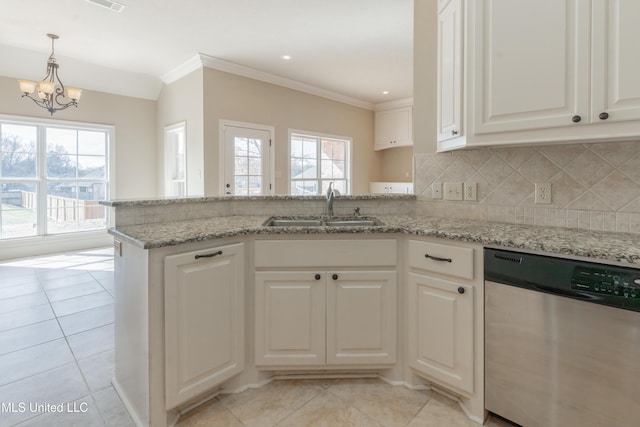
355, 48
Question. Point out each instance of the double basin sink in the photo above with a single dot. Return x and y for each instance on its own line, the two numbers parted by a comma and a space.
322, 222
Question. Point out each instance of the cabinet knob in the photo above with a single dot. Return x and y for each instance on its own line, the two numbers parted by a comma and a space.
454, 132
603, 116
461, 290
334, 277
318, 277
576, 119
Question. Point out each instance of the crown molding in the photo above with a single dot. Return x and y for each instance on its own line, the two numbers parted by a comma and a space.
398, 103
189, 66
202, 60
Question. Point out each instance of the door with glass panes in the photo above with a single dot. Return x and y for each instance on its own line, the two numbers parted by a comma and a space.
247, 160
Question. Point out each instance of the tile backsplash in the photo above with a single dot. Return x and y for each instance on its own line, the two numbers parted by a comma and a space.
594, 186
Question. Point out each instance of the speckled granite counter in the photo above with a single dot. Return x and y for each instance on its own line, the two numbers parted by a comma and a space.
599, 245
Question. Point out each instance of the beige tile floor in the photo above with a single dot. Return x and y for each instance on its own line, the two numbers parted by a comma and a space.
56, 347
56, 341
331, 403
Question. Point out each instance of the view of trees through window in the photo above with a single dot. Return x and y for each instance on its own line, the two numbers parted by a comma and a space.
317, 161
51, 179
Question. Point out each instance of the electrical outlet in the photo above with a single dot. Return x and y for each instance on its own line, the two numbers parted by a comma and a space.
543, 193
471, 191
453, 191
436, 190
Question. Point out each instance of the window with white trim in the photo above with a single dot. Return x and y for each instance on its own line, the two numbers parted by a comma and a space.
175, 160
317, 160
52, 178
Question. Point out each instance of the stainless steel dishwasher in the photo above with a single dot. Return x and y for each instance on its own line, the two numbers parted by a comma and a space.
562, 341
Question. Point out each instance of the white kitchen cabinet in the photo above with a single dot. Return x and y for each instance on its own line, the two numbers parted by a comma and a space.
361, 317
442, 310
204, 320
393, 128
290, 318
313, 318
615, 61
449, 119
340, 310
441, 330
540, 71
391, 187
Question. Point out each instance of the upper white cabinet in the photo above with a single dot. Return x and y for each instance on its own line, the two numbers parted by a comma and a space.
393, 128
204, 320
616, 63
537, 71
531, 65
450, 71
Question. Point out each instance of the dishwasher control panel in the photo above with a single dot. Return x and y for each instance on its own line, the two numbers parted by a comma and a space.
606, 281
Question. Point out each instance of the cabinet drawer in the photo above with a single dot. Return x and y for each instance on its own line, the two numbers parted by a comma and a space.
326, 253
444, 259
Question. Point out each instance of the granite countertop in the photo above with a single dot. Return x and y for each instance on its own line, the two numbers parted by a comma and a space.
179, 200
606, 246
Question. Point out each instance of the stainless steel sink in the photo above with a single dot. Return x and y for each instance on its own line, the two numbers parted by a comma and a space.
351, 222
320, 222
293, 222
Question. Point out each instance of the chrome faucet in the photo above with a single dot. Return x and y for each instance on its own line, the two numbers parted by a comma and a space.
330, 198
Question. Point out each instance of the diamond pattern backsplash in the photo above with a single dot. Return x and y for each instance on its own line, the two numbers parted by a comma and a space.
594, 186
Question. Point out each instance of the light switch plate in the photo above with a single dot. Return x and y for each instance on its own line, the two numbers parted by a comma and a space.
543, 193
453, 191
436, 190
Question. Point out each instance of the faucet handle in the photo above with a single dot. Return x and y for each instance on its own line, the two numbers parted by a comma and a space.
356, 211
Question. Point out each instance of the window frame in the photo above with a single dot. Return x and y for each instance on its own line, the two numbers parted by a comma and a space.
170, 159
320, 136
41, 180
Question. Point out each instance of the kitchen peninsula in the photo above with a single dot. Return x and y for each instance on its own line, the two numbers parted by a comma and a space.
203, 291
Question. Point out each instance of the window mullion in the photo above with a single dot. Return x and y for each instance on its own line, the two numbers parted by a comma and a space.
41, 165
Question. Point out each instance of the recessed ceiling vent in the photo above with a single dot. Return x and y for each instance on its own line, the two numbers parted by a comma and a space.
111, 5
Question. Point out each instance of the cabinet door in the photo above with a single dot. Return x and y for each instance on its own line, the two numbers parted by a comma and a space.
616, 62
393, 128
204, 320
531, 64
450, 71
441, 330
361, 317
290, 318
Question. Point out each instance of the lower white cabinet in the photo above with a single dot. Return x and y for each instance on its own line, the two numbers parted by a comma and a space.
204, 320
441, 330
444, 296
290, 318
315, 318
391, 187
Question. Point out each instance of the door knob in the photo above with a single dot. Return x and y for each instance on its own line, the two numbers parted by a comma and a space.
603, 116
334, 277
576, 119
318, 277
461, 290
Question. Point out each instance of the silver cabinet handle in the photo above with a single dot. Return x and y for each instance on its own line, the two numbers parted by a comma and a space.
435, 258
208, 255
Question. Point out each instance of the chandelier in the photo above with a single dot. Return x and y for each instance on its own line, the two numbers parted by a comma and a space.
50, 90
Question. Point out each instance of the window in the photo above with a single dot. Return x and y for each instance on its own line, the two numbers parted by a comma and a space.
175, 160
316, 161
52, 178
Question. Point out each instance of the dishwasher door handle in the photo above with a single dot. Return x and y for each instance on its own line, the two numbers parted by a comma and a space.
566, 293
